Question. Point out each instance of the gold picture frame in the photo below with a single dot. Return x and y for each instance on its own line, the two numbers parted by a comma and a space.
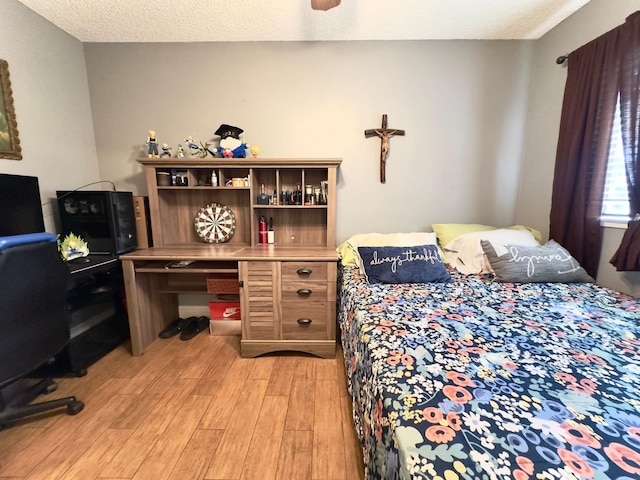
9, 141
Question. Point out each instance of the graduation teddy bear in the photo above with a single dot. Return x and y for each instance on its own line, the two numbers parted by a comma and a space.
230, 144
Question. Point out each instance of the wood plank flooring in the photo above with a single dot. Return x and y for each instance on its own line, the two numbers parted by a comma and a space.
193, 410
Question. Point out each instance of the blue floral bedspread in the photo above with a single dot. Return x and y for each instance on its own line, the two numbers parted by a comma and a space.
481, 380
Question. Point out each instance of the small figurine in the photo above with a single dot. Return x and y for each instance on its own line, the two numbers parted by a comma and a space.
179, 151
152, 143
192, 146
255, 150
166, 150
72, 246
230, 143
203, 150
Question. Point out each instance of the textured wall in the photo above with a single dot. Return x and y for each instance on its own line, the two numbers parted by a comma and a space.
462, 104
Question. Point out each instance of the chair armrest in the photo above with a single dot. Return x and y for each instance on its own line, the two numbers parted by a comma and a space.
25, 239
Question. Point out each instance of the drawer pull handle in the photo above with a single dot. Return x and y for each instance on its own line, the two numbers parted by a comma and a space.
304, 271
303, 322
304, 291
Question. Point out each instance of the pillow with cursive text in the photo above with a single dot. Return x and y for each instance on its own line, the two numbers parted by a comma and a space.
415, 264
548, 263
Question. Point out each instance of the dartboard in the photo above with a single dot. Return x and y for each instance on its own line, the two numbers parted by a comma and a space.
215, 223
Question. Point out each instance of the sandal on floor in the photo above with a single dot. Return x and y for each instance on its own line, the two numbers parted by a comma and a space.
194, 327
173, 328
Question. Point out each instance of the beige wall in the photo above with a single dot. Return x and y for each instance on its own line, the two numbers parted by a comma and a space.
462, 104
51, 100
543, 120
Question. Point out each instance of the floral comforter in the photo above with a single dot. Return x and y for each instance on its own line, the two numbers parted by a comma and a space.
481, 380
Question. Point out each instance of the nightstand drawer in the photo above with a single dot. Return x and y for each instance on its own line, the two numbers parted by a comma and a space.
304, 292
302, 271
305, 320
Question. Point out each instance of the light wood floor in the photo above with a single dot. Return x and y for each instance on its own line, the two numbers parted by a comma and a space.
193, 410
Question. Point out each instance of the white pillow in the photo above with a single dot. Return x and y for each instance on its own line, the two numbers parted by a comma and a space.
348, 250
465, 252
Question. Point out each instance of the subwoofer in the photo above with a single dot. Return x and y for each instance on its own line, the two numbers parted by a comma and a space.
104, 219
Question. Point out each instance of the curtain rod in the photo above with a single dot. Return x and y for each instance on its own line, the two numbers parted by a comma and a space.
561, 59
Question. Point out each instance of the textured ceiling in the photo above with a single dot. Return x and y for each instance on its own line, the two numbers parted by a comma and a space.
294, 20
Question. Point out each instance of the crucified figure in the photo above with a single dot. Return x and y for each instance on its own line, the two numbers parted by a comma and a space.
385, 134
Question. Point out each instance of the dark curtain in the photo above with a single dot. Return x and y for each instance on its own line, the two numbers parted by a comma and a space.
627, 257
588, 109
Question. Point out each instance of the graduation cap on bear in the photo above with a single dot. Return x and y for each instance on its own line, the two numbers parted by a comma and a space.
225, 131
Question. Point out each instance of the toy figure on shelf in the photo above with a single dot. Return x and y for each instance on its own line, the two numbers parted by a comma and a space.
230, 143
166, 150
72, 246
204, 150
255, 150
179, 151
192, 146
152, 143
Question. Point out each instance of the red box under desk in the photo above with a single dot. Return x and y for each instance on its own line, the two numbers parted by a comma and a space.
224, 310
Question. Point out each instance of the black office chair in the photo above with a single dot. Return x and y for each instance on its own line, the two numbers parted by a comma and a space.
34, 323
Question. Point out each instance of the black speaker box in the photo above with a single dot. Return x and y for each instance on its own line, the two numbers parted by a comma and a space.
105, 220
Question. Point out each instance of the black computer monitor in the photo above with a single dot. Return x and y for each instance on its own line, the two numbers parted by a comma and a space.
20, 205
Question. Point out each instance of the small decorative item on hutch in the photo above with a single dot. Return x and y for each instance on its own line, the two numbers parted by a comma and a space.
263, 198
163, 178
152, 144
166, 150
192, 146
215, 223
230, 143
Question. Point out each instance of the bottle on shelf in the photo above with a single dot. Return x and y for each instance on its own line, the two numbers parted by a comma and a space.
324, 187
297, 195
214, 178
274, 197
308, 195
262, 230
263, 198
271, 237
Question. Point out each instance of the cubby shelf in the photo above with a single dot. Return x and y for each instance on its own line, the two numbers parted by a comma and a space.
174, 207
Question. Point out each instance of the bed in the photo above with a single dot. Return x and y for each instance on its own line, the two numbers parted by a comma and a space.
477, 379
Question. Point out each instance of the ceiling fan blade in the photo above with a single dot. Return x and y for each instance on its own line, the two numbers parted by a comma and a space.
324, 4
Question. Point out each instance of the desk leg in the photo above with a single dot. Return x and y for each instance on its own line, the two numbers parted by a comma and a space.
149, 310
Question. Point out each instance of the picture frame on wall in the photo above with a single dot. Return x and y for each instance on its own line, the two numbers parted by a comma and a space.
9, 141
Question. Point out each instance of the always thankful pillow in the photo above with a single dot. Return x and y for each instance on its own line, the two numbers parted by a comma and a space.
548, 263
413, 264
348, 250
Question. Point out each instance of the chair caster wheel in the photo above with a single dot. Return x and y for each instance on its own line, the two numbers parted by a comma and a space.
75, 407
50, 388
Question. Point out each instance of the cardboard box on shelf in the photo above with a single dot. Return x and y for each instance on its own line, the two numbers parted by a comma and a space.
225, 327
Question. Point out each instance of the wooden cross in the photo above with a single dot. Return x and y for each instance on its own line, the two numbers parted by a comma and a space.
385, 134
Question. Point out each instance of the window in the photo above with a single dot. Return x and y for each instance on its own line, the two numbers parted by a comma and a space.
615, 202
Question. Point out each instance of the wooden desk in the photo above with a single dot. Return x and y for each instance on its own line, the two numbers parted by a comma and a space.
303, 279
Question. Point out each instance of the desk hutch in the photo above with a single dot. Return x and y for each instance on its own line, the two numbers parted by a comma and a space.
287, 289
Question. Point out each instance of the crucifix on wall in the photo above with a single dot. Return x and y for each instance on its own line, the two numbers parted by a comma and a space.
385, 134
